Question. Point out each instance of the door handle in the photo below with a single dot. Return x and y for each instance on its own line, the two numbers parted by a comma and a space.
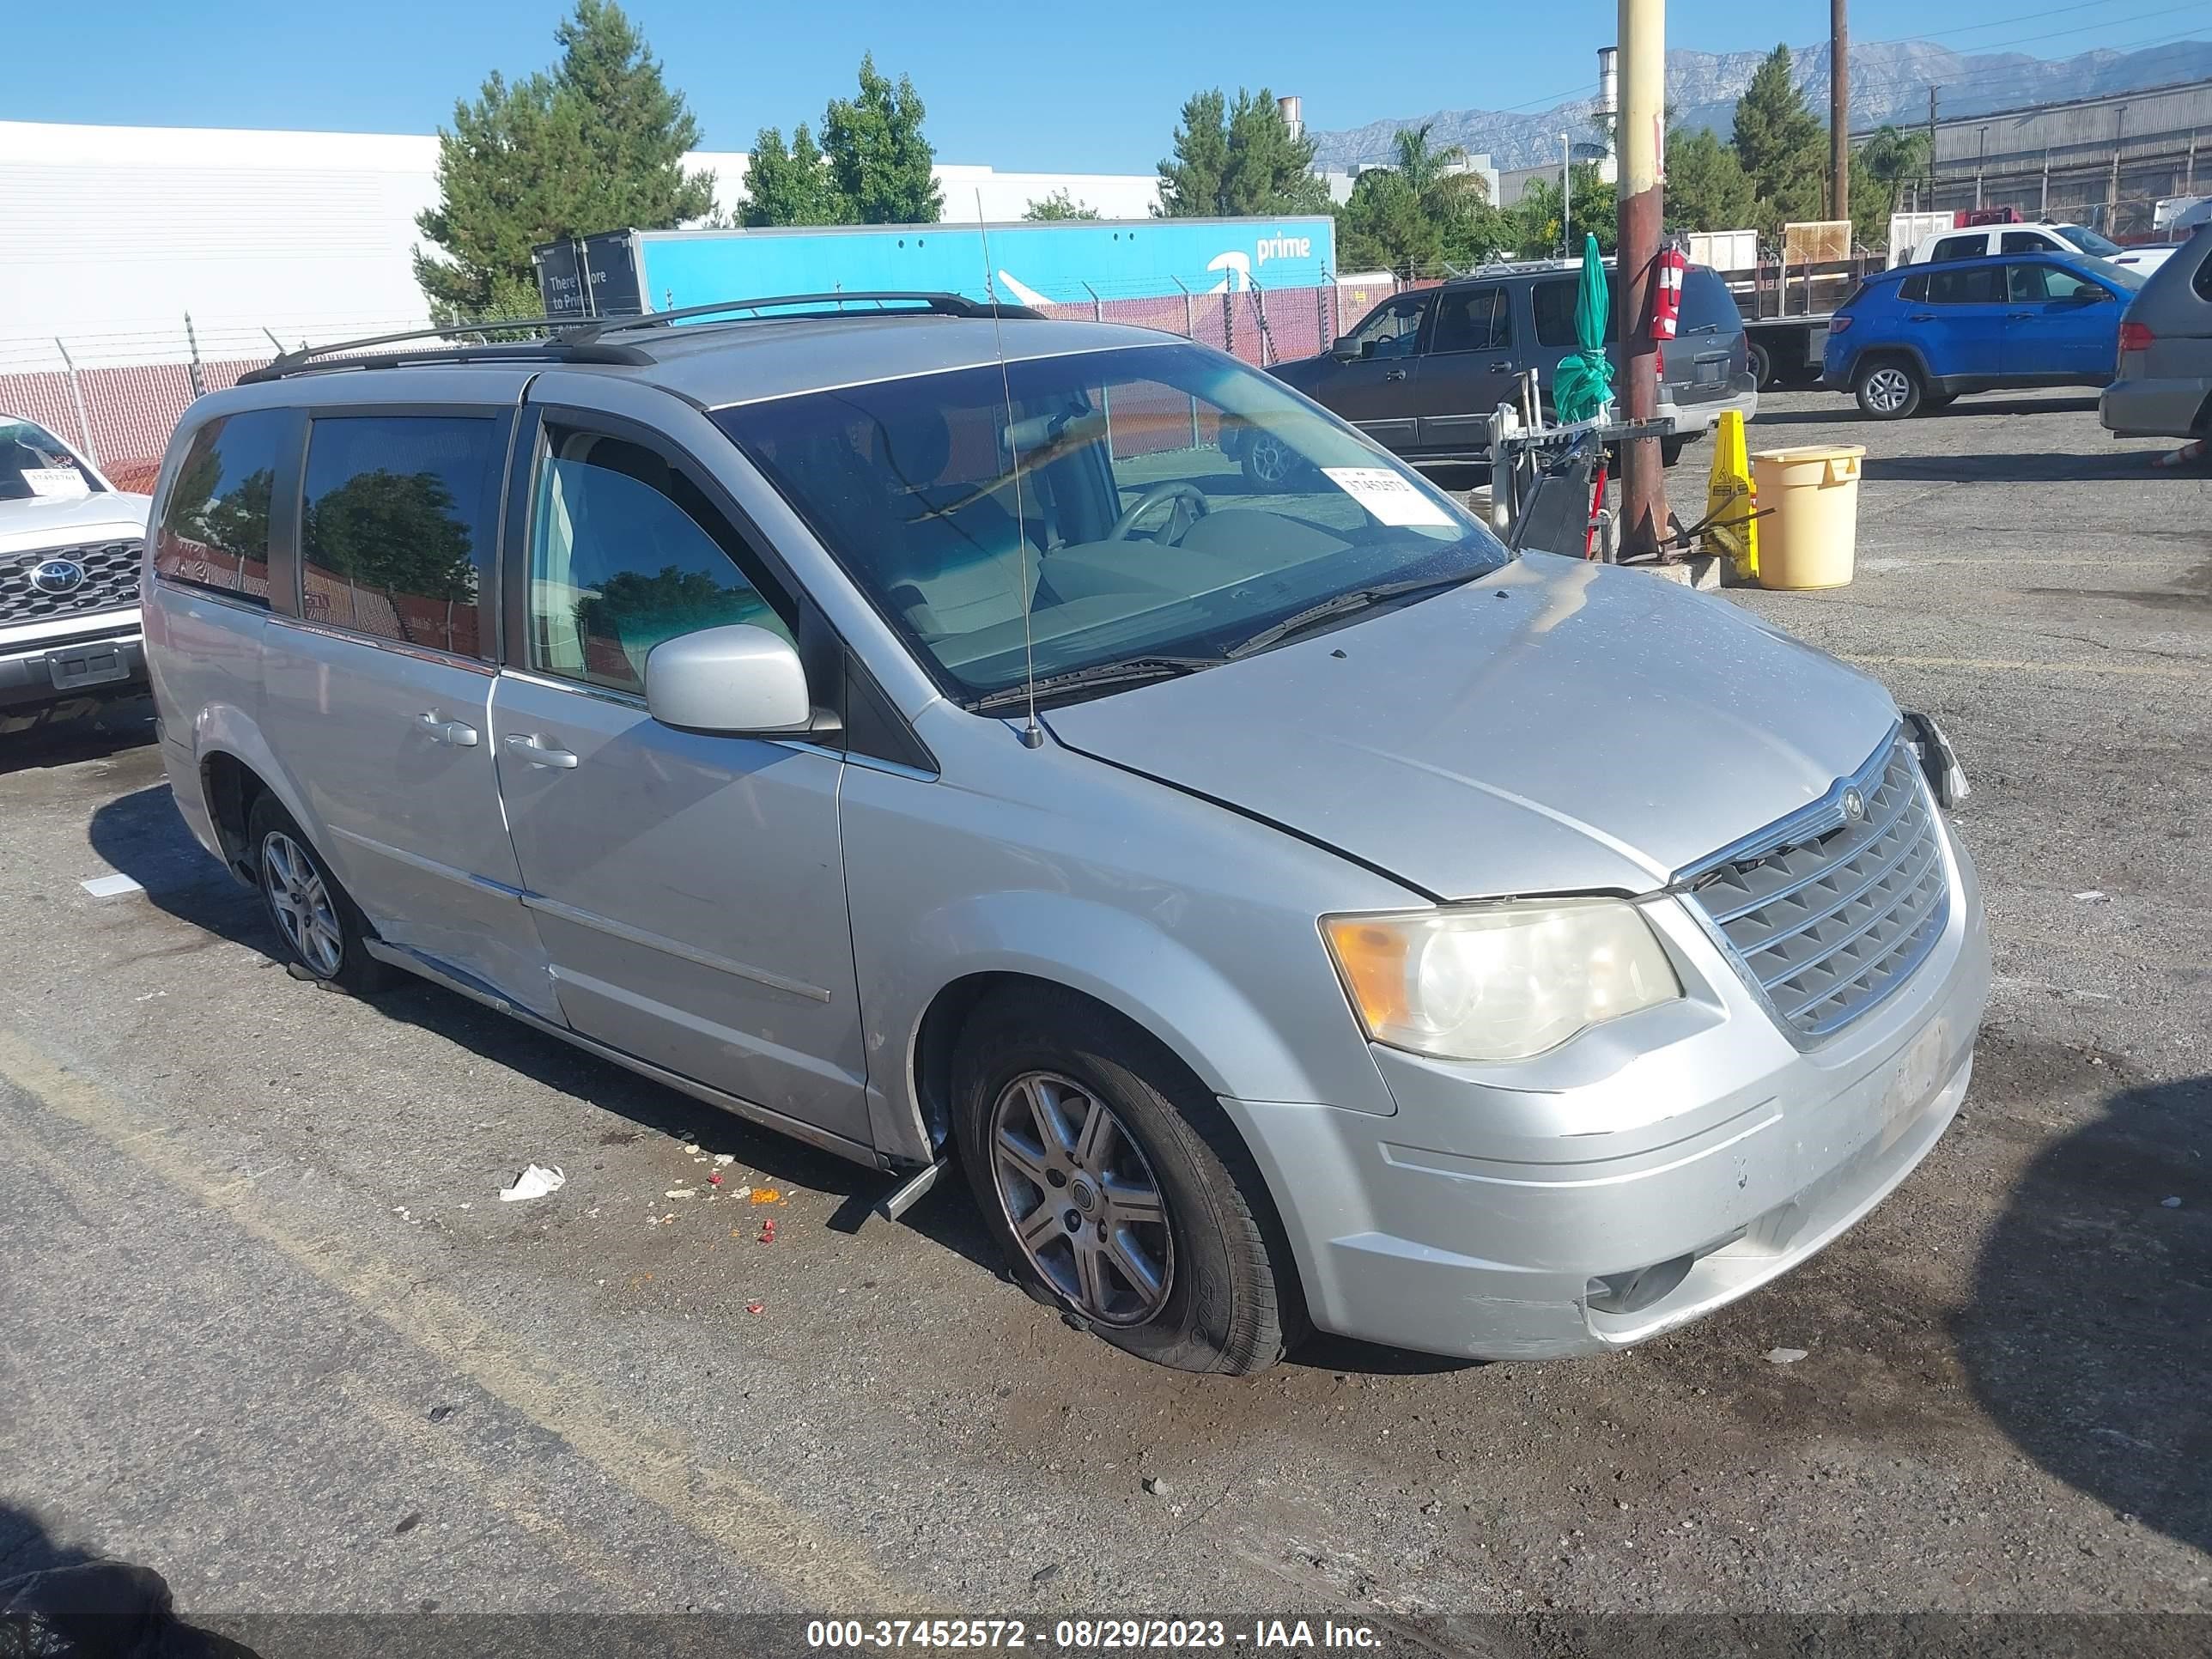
2018, 316
453, 731
539, 752
1920, 317
1395, 374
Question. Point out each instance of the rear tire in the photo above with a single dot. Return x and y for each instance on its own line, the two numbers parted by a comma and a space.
322, 930
1670, 450
1888, 389
1151, 1228
1762, 366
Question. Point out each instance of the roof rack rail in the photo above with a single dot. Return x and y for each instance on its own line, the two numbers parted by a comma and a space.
358, 354
942, 304
571, 340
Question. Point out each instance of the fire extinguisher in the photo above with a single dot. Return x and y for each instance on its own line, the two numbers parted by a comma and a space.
1667, 292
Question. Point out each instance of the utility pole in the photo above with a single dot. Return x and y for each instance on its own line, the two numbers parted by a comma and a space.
1839, 111
1643, 26
1932, 90
2112, 191
1567, 198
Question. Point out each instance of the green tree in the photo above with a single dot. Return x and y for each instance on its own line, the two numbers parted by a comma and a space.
1238, 160
1783, 150
1706, 187
1059, 205
1891, 158
1532, 225
791, 186
1422, 211
883, 167
595, 143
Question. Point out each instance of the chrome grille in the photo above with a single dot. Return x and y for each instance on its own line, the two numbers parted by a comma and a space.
1828, 914
111, 579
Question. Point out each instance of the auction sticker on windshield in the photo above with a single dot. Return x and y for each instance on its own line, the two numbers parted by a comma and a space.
55, 483
1389, 497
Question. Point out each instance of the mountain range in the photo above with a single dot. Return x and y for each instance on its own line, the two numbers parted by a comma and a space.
1889, 82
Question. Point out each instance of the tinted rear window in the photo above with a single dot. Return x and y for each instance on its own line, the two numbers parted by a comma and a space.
1554, 301
1914, 288
397, 531
1708, 308
215, 530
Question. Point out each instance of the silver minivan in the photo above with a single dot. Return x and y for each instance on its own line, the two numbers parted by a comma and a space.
908, 728
2164, 383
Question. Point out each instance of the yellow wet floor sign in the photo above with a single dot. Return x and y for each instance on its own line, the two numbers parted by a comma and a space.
1730, 530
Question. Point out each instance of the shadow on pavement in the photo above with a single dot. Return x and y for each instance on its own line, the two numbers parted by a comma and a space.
65, 1603
2024, 466
141, 835
2088, 1339
125, 723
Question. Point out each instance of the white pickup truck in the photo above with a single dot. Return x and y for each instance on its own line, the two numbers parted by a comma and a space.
70, 552
1973, 244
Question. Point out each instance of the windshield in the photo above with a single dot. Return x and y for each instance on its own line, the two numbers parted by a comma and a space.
36, 464
1168, 501
2088, 241
2125, 275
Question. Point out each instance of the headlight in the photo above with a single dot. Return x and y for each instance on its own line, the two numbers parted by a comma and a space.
1499, 981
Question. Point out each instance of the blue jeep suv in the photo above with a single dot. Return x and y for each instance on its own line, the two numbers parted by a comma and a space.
1917, 336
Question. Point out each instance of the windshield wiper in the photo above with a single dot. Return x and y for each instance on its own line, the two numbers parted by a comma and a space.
1097, 674
1343, 604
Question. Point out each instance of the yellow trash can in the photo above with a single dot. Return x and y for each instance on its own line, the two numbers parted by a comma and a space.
1809, 534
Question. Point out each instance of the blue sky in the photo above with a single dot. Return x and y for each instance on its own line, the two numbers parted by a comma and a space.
1058, 85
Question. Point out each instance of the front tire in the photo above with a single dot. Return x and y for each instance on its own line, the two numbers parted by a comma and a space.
1270, 465
1888, 389
1118, 1189
322, 930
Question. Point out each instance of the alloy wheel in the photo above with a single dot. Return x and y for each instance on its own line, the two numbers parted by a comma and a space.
1888, 389
1271, 461
1082, 1198
301, 900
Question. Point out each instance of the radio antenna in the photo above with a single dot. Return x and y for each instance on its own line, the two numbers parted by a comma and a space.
1032, 733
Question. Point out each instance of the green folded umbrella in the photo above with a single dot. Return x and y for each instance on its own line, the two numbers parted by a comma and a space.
1582, 382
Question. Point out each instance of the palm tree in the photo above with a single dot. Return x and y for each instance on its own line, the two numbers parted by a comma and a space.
1894, 158
1438, 177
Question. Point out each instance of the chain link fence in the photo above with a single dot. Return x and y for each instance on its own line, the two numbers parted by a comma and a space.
117, 396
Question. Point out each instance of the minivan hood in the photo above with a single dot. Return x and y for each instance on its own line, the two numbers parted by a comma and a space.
1554, 727
42, 521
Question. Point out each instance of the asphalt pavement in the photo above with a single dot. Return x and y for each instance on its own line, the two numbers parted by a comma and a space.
266, 1328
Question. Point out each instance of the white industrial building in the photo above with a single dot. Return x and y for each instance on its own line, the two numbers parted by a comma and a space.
117, 234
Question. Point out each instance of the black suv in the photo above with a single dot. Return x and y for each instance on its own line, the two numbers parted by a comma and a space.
1423, 369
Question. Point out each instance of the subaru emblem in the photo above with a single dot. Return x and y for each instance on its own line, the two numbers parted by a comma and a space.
1854, 806
57, 576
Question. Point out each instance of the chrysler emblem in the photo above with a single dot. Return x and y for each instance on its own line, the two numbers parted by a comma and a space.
1854, 806
57, 576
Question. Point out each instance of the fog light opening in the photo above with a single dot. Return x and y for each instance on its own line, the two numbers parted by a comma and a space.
1635, 1291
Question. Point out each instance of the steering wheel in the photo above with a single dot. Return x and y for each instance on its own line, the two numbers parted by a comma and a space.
1188, 497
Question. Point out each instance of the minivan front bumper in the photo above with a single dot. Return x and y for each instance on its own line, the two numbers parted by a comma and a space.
1693, 1154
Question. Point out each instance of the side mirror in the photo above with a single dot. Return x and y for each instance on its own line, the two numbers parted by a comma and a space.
738, 681
1345, 350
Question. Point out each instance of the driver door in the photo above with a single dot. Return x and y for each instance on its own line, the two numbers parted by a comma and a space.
2059, 323
1370, 383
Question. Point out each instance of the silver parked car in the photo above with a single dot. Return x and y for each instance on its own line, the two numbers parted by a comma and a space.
2165, 383
909, 729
